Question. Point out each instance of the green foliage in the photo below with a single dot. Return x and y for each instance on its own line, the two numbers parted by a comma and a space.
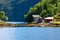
3, 16
28, 17
45, 8
6, 18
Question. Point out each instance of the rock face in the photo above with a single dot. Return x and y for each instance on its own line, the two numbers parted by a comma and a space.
1, 22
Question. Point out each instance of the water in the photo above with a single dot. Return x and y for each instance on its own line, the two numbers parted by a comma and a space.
16, 22
29, 33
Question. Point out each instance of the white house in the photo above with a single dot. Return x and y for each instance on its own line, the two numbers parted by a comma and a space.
48, 19
37, 18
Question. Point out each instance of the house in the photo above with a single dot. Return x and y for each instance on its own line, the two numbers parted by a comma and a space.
48, 19
37, 18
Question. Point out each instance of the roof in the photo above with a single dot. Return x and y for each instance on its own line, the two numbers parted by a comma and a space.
49, 18
36, 16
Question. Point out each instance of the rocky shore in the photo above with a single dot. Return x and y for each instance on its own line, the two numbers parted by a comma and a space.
5, 24
29, 25
42, 25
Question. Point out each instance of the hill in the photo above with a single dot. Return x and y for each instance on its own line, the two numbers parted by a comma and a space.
45, 8
15, 9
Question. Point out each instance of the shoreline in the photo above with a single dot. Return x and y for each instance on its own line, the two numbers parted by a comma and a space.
29, 25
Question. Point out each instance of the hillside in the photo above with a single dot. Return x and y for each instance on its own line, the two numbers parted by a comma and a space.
15, 9
45, 8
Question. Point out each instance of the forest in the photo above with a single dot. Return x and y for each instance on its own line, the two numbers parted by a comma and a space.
44, 8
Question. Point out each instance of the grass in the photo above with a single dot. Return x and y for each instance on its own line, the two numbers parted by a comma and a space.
56, 22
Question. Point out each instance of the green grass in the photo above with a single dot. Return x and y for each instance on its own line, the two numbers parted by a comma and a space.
57, 22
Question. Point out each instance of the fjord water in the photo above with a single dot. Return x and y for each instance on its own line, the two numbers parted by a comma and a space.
30, 33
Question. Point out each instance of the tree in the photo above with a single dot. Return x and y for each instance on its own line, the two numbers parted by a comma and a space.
28, 17
45, 8
3, 16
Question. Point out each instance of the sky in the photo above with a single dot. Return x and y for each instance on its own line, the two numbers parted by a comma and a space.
29, 33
